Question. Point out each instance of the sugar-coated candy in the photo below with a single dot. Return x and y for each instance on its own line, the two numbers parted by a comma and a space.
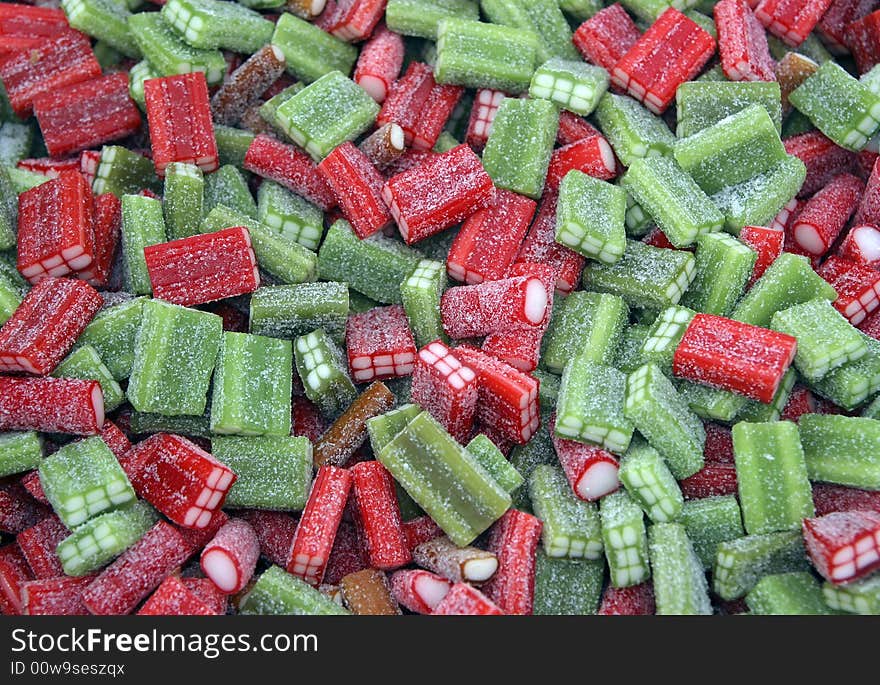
174, 598
380, 344
843, 545
446, 388
590, 406
585, 326
323, 371
56, 596
508, 304
367, 592
456, 564
465, 600
591, 471
421, 17
841, 449
791, 21
19, 452
56, 405
182, 201
417, 590
112, 334
680, 586
742, 43
649, 482
282, 594
378, 516
590, 217
122, 171
606, 36
230, 558
791, 594
337, 445
625, 539
572, 527
514, 541
379, 63
85, 363
494, 461
709, 522
859, 597
632, 130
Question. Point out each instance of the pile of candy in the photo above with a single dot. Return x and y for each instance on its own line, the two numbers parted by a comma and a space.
440, 307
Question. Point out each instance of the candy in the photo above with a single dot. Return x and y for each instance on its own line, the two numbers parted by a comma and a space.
57, 405
282, 594
457, 564
856, 286
842, 545
85, 363
57, 596
632, 130
246, 84
499, 306
742, 43
793, 21
173, 598
542, 17
679, 582
290, 167
19, 452
765, 242
590, 217
311, 53
446, 388
230, 557
465, 600
122, 171
179, 116
625, 540
206, 24
479, 55
421, 17
860, 38
541, 247
571, 526
106, 21
367, 592
379, 63
649, 482
174, 354
585, 326
514, 540
289, 214
483, 113
357, 187
112, 334
672, 198
840, 449
606, 36
724, 266
182, 199
320, 365
419, 591
337, 445
495, 463
860, 597
570, 84
180, 479
787, 593
709, 522
289, 311
384, 146
379, 518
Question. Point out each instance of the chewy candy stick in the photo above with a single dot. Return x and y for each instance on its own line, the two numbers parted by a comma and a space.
230, 558
342, 439
446, 388
742, 43
501, 306
56, 405
14, 572
861, 37
246, 84
112, 334
289, 214
766, 243
571, 527
843, 545
379, 63
632, 130
122, 171
107, 228
384, 146
19, 452
861, 245
182, 200
465, 600
590, 470
567, 586
105, 21
288, 311
417, 590
483, 113
625, 539
606, 36
848, 386
45, 326
679, 582
787, 593
859, 597
824, 215
280, 593
310, 52
38, 544
378, 516
841, 449
702, 104
709, 522
494, 461
357, 187
791, 21
585, 326
207, 24
590, 217
649, 482
570, 84
542, 17
514, 540
174, 598
275, 531
325, 378
421, 17
379, 344
367, 592
289, 166
823, 158
56, 596
637, 600
456, 564
317, 527
384, 428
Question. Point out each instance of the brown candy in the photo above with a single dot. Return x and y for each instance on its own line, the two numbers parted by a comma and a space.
367, 593
246, 84
384, 145
349, 431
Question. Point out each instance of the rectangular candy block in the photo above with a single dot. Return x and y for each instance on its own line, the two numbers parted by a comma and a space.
861, 597
357, 186
632, 130
701, 104
55, 233
606, 36
543, 18
122, 171
273, 472
19, 452
438, 193
445, 388
772, 476
841, 449
857, 287
791, 594
52, 405
650, 483
742, 562
494, 461
179, 478
84, 479
590, 217
288, 311
85, 363
843, 545
709, 522
791, 21
570, 84
572, 526
209, 24
183, 199
311, 53
289, 166
586, 326
280, 593
670, 52
323, 371
289, 214
625, 539
379, 344
43, 329
590, 406
679, 582
179, 118
174, 354
724, 266
742, 43
247, 84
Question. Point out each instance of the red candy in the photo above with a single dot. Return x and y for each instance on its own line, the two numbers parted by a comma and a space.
206, 591
55, 231
843, 546
734, 356
419, 105
420, 530
107, 226
718, 448
379, 63
824, 160
86, 114
438, 193
179, 116
53, 64
418, 590
834, 26
670, 52
445, 388
509, 304
347, 556
825, 214
829, 498
378, 516
791, 20
590, 470
38, 545
857, 286
379, 344
636, 600
606, 36
357, 186
483, 111
767, 242
204, 267
317, 528
591, 155
465, 600
18, 510
274, 530
173, 598
55, 596
51, 405
179, 478
801, 401
23, 27
514, 541
862, 245
713, 480
354, 20
863, 39
230, 558
44, 328
869, 206
14, 571
89, 160
742, 43
573, 128
291, 167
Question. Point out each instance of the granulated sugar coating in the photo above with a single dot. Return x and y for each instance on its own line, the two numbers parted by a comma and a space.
439, 307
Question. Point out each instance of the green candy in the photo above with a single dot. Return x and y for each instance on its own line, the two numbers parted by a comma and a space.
143, 225
842, 449
269, 109
660, 414
174, 354
649, 10
572, 85
375, 266
22, 180
733, 150
680, 586
277, 593
709, 522
859, 597
210, 24
252, 385
590, 217
572, 527
548, 390
85, 363
274, 472
384, 428
324, 372
758, 412
326, 113
227, 186
309, 51
665, 334
646, 276
193, 426
724, 266
584, 325
525, 458
632, 130
825, 339
542, 17
649, 482
790, 594
479, 55
10, 299
122, 171
19, 452
112, 334
168, 54
850, 385
518, 151
638, 222
289, 311
421, 292
140, 72
290, 215
711, 403
8, 208
771, 475
590, 406
580, 10
741, 563
103, 538
567, 587
629, 351
105, 20
704, 22
492, 459
15, 144
625, 538
182, 200
672, 198
788, 281
232, 144
84, 479
444, 479
840, 106
284, 259
421, 18
701, 104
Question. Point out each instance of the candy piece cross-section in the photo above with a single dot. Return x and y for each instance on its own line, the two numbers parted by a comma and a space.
590, 217
632, 130
650, 483
379, 63
179, 478
445, 388
857, 286
52, 405
570, 84
210, 24
625, 539
844, 545
742, 562
509, 304
230, 558
379, 344
323, 372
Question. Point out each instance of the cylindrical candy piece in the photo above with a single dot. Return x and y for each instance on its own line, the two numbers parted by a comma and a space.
230, 558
